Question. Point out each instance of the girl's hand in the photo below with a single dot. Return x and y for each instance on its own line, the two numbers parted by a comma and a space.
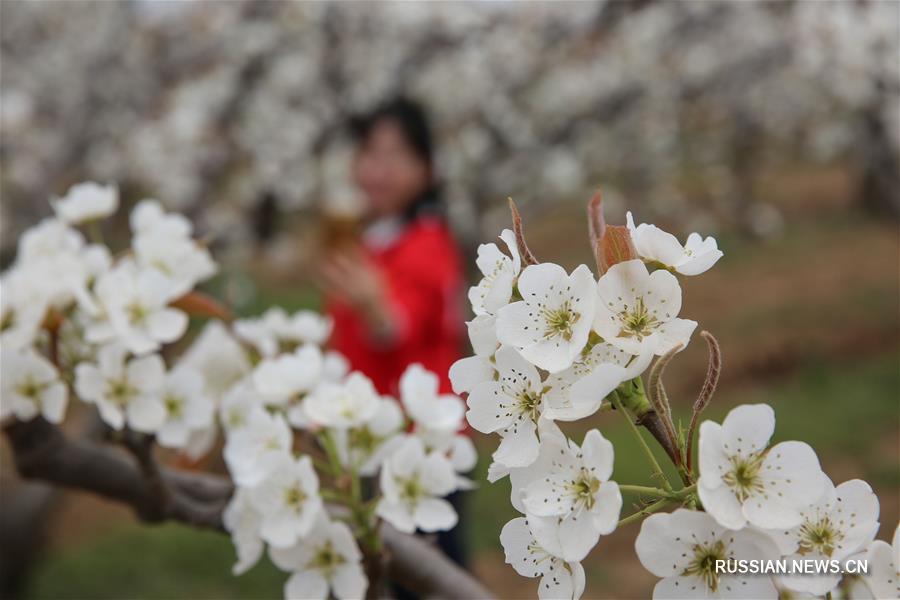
349, 276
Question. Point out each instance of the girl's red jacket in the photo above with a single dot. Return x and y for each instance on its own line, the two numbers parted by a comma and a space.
422, 269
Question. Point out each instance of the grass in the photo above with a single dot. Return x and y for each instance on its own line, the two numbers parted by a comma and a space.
846, 411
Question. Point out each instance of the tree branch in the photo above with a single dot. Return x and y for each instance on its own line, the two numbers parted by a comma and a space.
43, 452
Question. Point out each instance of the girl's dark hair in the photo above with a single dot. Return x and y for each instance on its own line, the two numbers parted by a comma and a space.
412, 120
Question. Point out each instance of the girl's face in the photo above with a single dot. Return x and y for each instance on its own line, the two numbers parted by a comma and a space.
388, 170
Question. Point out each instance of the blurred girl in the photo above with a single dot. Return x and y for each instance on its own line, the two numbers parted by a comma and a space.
395, 296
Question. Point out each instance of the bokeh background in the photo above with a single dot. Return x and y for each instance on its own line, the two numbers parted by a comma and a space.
773, 125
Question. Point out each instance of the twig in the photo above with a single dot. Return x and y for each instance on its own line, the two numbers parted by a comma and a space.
596, 226
706, 393
614, 397
527, 257
660, 401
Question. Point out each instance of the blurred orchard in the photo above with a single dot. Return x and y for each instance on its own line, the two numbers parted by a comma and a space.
231, 109
774, 125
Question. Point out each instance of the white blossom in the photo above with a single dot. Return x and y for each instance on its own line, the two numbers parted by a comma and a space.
240, 405
308, 327
425, 405
260, 332
87, 202
570, 487
325, 560
511, 406
365, 446
218, 357
560, 580
637, 311
412, 483
335, 366
31, 386
499, 275
53, 267
149, 216
254, 450
125, 392
288, 376
682, 547
841, 523
136, 311
242, 521
468, 372
883, 579
288, 500
551, 324
697, 255
579, 391
743, 480
188, 408
21, 315
342, 405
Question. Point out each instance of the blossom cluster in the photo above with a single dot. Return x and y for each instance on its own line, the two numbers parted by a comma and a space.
301, 432
552, 346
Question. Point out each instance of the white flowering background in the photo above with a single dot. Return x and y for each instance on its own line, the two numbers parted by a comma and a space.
640, 402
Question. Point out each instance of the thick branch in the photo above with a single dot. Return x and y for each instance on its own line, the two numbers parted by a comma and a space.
43, 452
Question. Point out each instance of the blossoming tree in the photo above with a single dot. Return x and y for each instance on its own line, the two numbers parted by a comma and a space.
302, 435
552, 347
300, 432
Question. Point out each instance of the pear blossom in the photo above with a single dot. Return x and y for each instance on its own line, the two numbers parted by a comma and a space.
149, 216
240, 405
258, 333
125, 392
571, 486
511, 406
579, 391
288, 500
308, 327
559, 579
86, 201
682, 547
181, 260
218, 356
437, 418
551, 324
188, 408
135, 305
335, 366
425, 405
412, 483
499, 275
54, 266
326, 560
287, 376
242, 521
440, 427
469, 371
342, 405
254, 450
637, 311
743, 480
842, 522
653, 244
883, 579
31, 386
20, 316
162, 241
365, 446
